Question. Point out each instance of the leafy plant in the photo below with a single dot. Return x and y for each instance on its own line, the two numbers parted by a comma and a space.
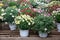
56, 15
38, 3
23, 6
5, 1
29, 11
55, 0
43, 23
58, 18
10, 14
34, 5
12, 3
1, 11
24, 22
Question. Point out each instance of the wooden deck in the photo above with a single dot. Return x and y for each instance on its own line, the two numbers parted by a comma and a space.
14, 35
6, 34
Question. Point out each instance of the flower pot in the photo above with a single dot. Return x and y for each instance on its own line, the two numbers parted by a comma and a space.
24, 33
43, 35
12, 26
58, 26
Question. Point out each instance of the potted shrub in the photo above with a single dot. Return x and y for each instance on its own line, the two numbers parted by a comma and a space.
57, 17
9, 15
56, 14
43, 24
24, 23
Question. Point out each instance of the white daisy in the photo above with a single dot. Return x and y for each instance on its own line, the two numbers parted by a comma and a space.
45, 29
2, 10
12, 10
10, 13
13, 16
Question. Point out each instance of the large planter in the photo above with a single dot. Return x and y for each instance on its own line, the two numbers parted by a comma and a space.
12, 26
58, 26
24, 33
43, 35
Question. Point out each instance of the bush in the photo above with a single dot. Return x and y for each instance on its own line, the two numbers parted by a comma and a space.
43, 23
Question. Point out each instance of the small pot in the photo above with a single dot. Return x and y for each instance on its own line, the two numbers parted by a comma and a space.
24, 33
43, 35
58, 26
12, 26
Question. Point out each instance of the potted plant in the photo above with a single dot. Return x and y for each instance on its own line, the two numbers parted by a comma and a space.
24, 23
9, 15
56, 15
43, 24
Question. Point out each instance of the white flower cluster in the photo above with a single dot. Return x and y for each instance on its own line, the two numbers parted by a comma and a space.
41, 4
45, 29
55, 12
23, 18
2, 11
1, 17
3, 14
6, 13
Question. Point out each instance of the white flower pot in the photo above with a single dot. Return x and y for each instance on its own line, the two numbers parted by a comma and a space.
43, 35
12, 26
24, 33
58, 26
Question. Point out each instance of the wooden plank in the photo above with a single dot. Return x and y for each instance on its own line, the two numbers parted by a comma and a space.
55, 32
54, 37
5, 26
4, 35
0, 26
16, 32
2, 32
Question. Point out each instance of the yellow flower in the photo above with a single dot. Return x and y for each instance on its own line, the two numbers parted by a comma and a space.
17, 22
23, 18
1, 4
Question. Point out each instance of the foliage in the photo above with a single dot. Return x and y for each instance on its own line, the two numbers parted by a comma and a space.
26, 9
34, 5
10, 14
24, 5
43, 23
1, 11
53, 3
55, 0
29, 11
38, 3
12, 4
24, 22
56, 15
